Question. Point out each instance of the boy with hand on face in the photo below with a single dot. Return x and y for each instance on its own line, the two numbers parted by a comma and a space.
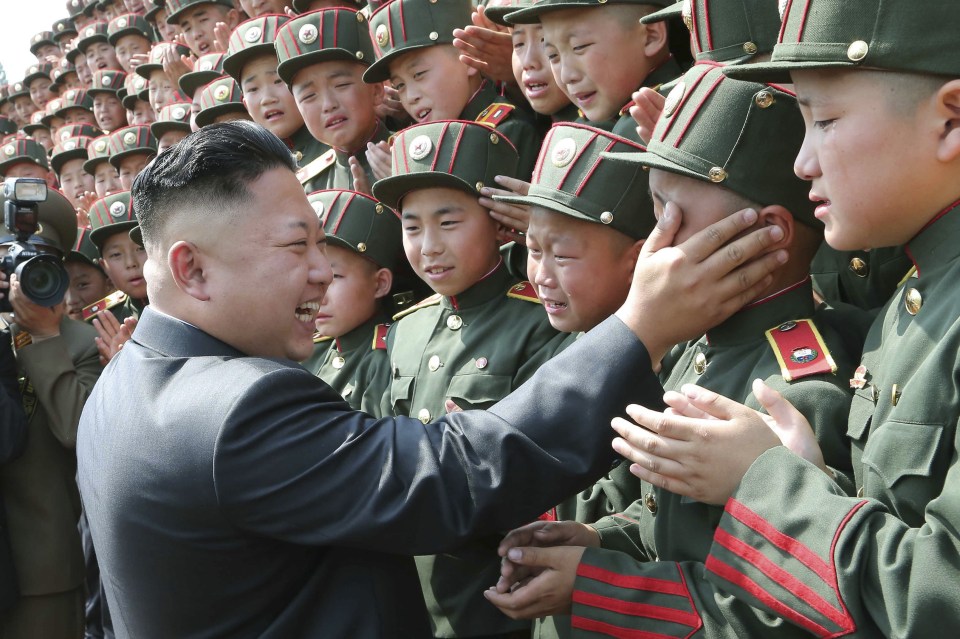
364, 248
88, 282
198, 21
252, 61
413, 40
323, 57
482, 335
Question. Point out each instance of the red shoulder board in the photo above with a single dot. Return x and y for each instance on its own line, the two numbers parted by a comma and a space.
114, 299
524, 291
495, 113
380, 337
800, 350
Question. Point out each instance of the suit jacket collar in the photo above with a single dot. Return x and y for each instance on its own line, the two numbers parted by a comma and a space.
173, 337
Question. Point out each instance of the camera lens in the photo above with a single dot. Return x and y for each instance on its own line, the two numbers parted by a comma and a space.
43, 279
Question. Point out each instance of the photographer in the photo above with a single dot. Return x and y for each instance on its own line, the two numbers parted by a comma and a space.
13, 437
57, 363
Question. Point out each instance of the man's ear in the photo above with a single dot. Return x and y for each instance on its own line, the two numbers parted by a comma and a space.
656, 39
186, 264
384, 278
776, 215
948, 111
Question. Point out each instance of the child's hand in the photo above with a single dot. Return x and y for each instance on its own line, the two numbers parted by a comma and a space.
486, 47
380, 159
648, 105
137, 59
510, 216
221, 38
361, 183
390, 106
176, 66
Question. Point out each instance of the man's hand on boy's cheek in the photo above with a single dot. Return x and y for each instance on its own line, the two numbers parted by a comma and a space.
361, 183
39, 321
646, 110
486, 47
548, 592
380, 159
699, 283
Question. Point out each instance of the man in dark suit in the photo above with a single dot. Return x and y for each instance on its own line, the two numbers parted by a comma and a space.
13, 438
231, 493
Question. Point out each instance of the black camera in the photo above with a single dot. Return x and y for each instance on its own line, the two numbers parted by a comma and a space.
42, 276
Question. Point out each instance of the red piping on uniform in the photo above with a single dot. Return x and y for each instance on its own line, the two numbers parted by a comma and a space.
683, 101
779, 293
456, 145
786, 14
836, 581
906, 248
574, 161
403, 24
737, 578
693, 116
694, 25
706, 20
629, 581
803, 21
593, 169
286, 49
336, 29
604, 628
635, 609
783, 88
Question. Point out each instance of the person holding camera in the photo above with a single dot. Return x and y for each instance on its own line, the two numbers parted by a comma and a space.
57, 364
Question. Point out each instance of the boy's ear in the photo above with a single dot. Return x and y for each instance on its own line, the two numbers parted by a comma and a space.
384, 278
233, 19
776, 215
631, 257
656, 38
378, 93
948, 110
186, 263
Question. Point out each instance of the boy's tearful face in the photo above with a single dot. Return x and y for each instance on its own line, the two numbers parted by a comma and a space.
449, 239
337, 106
432, 83
267, 98
532, 70
123, 261
351, 298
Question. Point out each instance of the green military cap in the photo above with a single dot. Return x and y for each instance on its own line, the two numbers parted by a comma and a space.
446, 153
77, 130
74, 99
135, 86
58, 223
157, 53
573, 178
36, 72
129, 141
70, 149
206, 69
84, 250
63, 28
90, 7
48, 114
496, 11
726, 30
361, 224
111, 215
894, 35
59, 73
128, 24
173, 117
98, 151
740, 135
532, 13
219, 98
106, 81
404, 25
40, 39
36, 123
93, 33
176, 7
7, 126
18, 89
22, 150
251, 38
71, 52
319, 36
74, 8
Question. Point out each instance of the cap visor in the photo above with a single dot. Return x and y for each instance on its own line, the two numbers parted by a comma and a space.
654, 161
671, 12
288, 69
99, 236
391, 190
778, 72
544, 202
379, 71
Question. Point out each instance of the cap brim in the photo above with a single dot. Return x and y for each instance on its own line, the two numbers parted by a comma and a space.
57, 161
391, 190
543, 201
288, 69
654, 161
208, 115
779, 72
379, 71
190, 82
498, 14
77, 256
117, 158
99, 236
233, 65
159, 129
670, 13
136, 235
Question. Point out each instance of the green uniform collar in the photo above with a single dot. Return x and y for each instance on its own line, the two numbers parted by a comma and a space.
751, 322
359, 337
380, 134
936, 244
301, 141
484, 97
495, 284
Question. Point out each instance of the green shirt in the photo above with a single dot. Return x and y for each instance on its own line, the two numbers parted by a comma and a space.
339, 176
518, 126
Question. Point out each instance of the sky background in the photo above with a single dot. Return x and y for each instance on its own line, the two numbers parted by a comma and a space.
20, 20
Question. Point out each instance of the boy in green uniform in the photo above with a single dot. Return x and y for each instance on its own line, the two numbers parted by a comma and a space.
413, 40
197, 20
710, 155
130, 35
106, 180
876, 84
88, 282
162, 89
481, 336
220, 101
364, 249
94, 45
23, 157
131, 149
172, 125
252, 61
323, 56
601, 53
67, 162
108, 110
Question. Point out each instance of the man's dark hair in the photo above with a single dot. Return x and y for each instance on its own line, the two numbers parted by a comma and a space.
210, 168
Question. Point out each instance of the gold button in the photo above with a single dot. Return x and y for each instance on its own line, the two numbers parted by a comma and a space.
482, 363
750, 47
299, 156
700, 363
434, 363
606, 217
424, 416
434, 35
359, 55
494, 138
479, 185
858, 51
651, 503
361, 247
859, 267
913, 301
764, 99
338, 362
378, 208
454, 322
895, 394
717, 175
860, 492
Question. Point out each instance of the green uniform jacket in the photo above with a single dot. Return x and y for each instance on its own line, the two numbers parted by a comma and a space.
658, 525
39, 488
474, 349
339, 176
624, 125
355, 365
792, 543
518, 126
865, 279
307, 149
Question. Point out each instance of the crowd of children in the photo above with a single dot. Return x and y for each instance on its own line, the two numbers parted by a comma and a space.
486, 178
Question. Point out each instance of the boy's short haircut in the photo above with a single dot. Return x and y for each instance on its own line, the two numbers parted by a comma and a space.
894, 35
405, 25
446, 154
573, 178
740, 135
252, 38
532, 13
321, 36
360, 224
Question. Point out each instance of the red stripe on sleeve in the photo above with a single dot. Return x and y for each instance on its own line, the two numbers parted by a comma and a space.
630, 581
648, 611
582, 623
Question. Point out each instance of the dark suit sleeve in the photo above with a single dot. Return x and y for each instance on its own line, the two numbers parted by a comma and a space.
294, 463
13, 422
